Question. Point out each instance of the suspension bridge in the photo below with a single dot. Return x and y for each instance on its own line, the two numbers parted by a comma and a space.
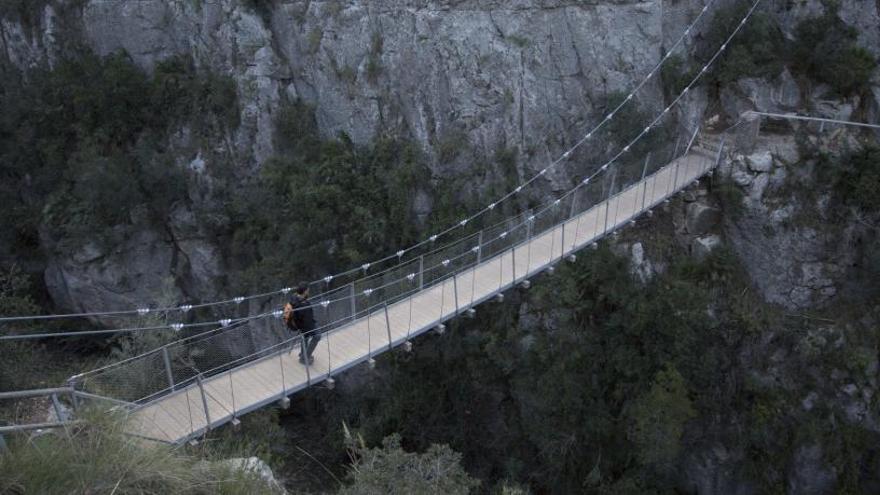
211, 401
183, 389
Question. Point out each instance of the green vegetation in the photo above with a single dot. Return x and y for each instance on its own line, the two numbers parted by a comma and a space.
321, 204
28, 11
826, 50
730, 196
85, 145
519, 41
756, 51
392, 470
97, 457
595, 390
676, 74
859, 181
314, 39
854, 178
658, 420
374, 58
25, 364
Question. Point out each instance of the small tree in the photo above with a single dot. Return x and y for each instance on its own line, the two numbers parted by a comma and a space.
658, 419
392, 470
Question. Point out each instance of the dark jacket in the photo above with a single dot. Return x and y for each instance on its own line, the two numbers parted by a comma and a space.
303, 316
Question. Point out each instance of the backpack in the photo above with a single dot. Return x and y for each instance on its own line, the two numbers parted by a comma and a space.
287, 315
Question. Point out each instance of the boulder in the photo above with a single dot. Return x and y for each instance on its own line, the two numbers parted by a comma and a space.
642, 268
787, 93
834, 109
760, 162
700, 218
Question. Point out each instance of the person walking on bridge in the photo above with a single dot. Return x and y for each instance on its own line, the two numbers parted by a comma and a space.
299, 317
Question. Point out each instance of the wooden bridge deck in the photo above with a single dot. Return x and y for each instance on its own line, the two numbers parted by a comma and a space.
187, 413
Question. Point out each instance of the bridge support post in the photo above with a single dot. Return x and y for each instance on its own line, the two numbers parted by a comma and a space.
283, 383
387, 325
608, 205
674, 178
302, 350
480, 247
644, 185
351, 295
168, 372
691, 142
60, 415
455, 292
528, 224
204, 402
421, 272
74, 399
513, 263
562, 241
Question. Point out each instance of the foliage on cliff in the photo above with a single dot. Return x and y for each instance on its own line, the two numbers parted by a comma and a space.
84, 144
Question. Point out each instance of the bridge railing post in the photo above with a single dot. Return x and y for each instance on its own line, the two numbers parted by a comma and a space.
168, 372
60, 416
691, 141
674, 183
281, 367
608, 203
352, 296
562, 240
232, 394
204, 401
329, 355
513, 263
302, 351
387, 325
455, 292
645, 173
530, 230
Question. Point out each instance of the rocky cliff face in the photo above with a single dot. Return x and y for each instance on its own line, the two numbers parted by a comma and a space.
461, 78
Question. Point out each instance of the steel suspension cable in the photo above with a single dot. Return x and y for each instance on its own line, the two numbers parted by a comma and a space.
551, 204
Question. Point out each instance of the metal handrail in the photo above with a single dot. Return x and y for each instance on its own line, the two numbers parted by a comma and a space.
791, 116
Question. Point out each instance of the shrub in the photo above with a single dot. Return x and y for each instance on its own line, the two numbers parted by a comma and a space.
731, 198
332, 203
753, 52
826, 50
392, 470
676, 75
97, 457
658, 419
85, 142
374, 58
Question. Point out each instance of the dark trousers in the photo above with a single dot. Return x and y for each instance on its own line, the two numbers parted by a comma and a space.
310, 341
